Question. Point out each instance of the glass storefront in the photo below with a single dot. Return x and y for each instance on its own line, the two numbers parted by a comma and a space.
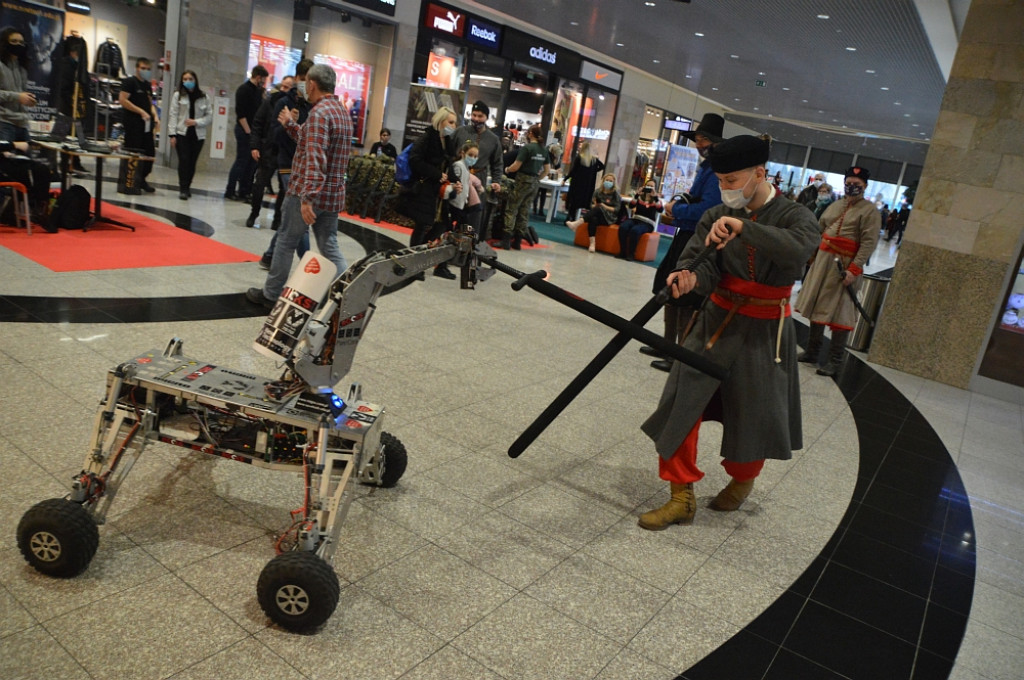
357, 48
486, 83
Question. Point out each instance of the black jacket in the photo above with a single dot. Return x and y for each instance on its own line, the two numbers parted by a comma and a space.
428, 160
260, 128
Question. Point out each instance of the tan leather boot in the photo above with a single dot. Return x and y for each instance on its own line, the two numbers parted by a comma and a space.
732, 496
680, 509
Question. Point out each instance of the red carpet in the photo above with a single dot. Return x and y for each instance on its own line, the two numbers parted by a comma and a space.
152, 244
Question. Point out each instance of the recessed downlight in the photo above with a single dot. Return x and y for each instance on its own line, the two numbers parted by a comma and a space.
870, 70
785, 89
886, 89
715, 89
734, 56
823, 16
851, 49
620, 44
699, 35
656, 61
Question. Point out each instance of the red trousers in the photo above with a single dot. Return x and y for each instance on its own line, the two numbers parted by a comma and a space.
682, 468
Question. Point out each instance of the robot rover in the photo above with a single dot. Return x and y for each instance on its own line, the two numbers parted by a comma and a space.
293, 423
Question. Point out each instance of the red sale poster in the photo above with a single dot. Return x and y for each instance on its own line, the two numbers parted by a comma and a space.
353, 89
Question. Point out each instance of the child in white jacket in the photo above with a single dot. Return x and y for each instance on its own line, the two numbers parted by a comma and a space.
467, 205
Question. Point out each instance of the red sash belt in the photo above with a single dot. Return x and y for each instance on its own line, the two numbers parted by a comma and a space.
752, 299
839, 245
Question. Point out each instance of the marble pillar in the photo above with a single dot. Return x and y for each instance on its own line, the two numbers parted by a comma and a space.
967, 222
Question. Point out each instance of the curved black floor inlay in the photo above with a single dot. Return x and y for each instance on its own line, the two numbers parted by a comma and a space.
889, 595
37, 309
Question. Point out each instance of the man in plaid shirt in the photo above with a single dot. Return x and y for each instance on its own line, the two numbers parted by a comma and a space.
316, 190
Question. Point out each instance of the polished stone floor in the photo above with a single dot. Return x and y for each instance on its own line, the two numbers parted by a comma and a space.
890, 547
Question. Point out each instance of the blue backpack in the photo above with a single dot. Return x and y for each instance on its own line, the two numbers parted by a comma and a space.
403, 170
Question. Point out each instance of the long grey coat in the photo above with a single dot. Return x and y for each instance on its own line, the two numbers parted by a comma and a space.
760, 400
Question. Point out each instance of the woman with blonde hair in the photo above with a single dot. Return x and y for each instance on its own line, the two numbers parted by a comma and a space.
582, 176
429, 162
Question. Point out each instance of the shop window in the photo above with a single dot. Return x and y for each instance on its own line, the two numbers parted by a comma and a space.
486, 83
525, 104
446, 65
596, 121
568, 103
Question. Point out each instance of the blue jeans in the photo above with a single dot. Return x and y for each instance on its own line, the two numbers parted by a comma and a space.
304, 243
325, 229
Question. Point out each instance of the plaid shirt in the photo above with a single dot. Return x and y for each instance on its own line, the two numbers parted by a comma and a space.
323, 146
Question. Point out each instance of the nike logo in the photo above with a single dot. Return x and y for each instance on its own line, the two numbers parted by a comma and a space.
598, 75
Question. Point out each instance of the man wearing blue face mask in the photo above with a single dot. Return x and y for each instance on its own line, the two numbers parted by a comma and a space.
763, 240
139, 117
849, 232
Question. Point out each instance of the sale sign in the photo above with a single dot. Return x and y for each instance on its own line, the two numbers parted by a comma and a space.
352, 88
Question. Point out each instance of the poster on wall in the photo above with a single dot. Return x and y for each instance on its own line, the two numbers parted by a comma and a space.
680, 170
279, 59
43, 28
352, 88
424, 102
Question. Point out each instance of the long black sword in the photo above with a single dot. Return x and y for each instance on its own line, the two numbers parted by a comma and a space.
852, 294
627, 330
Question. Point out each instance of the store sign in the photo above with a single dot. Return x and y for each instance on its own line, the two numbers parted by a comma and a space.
674, 122
591, 133
483, 33
439, 70
382, 6
445, 20
600, 75
531, 50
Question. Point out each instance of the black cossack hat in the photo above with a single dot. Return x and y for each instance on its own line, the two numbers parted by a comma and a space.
738, 153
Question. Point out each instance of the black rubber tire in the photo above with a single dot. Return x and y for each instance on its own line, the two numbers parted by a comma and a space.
298, 591
58, 537
395, 460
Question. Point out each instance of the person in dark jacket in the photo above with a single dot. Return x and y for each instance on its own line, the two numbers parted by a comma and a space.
384, 147
294, 99
646, 206
685, 214
263, 148
248, 98
582, 178
429, 160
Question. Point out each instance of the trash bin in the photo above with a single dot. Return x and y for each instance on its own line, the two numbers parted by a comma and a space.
871, 295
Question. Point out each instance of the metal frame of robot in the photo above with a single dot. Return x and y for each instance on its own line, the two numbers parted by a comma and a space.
297, 589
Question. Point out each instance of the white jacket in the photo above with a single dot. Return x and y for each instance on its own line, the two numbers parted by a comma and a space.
178, 113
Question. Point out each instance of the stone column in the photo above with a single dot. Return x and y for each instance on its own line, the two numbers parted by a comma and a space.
967, 221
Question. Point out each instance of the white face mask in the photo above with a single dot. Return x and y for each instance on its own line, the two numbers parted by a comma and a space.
734, 198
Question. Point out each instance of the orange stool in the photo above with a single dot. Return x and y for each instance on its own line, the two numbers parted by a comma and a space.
647, 247
607, 240
19, 194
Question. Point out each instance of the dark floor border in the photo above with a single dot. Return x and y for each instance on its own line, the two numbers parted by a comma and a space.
890, 594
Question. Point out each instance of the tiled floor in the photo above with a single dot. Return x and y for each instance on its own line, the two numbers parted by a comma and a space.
866, 556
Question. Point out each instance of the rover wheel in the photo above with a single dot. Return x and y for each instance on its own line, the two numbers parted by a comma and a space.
298, 591
395, 459
58, 537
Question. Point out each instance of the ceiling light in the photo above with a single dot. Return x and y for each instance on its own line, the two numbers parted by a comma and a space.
735, 99
656, 61
897, 103
785, 89
574, 23
760, 73
885, 88
823, 16
649, 4
804, 101
820, 111
539, 91
715, 89
914, 125
688, 75
851, 49
620, 44
906, 115
755, 108
870, 70
699, 35
734, 56
600, 96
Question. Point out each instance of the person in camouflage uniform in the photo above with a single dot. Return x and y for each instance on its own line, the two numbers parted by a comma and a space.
531, 164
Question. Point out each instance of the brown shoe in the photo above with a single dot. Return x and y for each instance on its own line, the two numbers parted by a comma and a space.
732, 496
680, 509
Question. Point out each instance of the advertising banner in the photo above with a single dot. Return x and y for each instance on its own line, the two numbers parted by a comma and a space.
424, 101
43, 29
680, 170
274, 54
352, 88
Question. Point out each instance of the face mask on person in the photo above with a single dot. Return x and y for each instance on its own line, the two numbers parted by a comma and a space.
607, 185
703, 152
470, 161
479, 126
822, 198
817, 182
300, 87
189, 85
853, 189
734, 198
448, 131
17, 50
145, 73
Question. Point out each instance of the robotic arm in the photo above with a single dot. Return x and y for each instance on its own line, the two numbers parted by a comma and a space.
319, 318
